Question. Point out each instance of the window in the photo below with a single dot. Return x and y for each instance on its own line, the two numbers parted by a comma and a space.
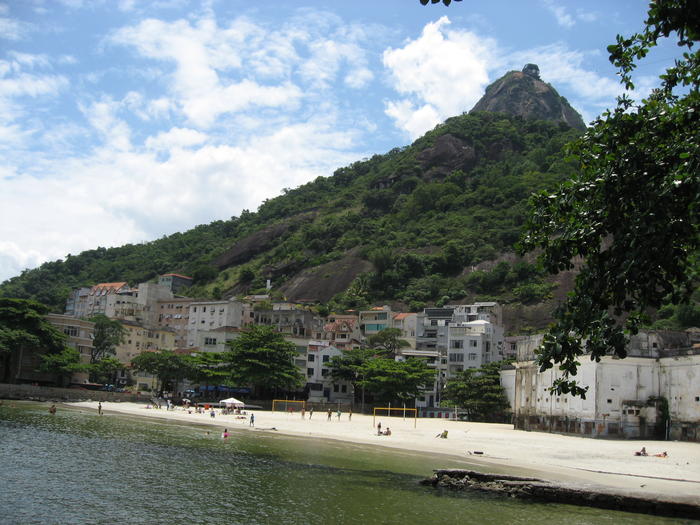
312, 358
194, 308
70, 330
473, 343
456, 358
344, 388
324, 372
472, 356
336, 388
457, 343
433, 322
210, 340
204, 308
309, 371
326, 358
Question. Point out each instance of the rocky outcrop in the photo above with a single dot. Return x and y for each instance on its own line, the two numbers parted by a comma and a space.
449, 153
541, 490
258, 242
522, 93
321, 283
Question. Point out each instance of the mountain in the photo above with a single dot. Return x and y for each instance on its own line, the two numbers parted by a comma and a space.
432, 222
524, 94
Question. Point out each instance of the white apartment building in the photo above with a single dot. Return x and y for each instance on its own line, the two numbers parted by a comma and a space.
205, 316
471, 345
321, 385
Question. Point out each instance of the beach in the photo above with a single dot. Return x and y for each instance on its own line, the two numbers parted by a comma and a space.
600, 464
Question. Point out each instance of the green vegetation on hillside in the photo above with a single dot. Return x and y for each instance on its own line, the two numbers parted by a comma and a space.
421, 217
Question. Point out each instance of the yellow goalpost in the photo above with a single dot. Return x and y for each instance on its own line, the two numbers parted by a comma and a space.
395, 412
287, 404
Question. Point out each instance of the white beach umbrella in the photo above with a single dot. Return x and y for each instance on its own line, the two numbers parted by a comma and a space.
232, 401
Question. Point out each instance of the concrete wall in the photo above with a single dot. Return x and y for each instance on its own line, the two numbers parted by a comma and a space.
40, 393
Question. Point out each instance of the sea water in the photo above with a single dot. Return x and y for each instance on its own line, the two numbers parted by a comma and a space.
76, 467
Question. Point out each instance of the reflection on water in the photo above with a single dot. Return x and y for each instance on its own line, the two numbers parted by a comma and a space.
77, 467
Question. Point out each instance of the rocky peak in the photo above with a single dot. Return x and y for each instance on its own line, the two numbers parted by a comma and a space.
522, 93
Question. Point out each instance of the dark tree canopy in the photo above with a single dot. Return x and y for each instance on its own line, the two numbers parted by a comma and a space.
631, 214
479, 391
23, 326
261, 357
109, 333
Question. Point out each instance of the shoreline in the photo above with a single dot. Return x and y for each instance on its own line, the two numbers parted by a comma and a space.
603, 466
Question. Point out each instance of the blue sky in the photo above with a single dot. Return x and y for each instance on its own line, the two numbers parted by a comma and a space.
123, 121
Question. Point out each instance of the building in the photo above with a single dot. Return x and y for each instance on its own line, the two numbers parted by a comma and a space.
287, 319
81, 334
406, 322
175, 314
321, 386
101, 298
175, 282
205, 316
340, 330
471, 345
77, 303
139, 339
625, 398
216, 340
375, 320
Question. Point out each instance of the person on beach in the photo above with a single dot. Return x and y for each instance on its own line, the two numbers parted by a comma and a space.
99, 407
330, 414
311, 412
442, 434
212, 413
350, 415
661, 455
642, 452
52, 409
225, 433
338, 414
252, 420
379, 428
303, 412
387, 432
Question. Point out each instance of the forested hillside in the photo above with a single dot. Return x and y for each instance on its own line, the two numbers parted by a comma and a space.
420, 215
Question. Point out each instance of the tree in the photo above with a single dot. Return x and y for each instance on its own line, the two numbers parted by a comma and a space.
479, 391
631, 213
23, 326
262, 358
391, 380
166, 365
207, 368
446, 2
388, 341
105, 370
109, 333
64, 364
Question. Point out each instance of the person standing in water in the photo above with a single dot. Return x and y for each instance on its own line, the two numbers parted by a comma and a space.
99, 407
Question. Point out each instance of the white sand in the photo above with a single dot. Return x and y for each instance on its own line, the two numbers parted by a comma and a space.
589, 462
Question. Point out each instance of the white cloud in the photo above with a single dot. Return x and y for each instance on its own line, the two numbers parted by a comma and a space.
561, 14
204, 54
176, 138
441, 74
11, 29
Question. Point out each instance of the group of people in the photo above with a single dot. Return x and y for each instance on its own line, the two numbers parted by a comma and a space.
386, 432
643, 452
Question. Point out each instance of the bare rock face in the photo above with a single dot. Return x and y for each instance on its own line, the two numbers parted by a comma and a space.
522, 93
447, 154
257, 242
321, 283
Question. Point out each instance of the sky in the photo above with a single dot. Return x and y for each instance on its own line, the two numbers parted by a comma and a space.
122, 121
